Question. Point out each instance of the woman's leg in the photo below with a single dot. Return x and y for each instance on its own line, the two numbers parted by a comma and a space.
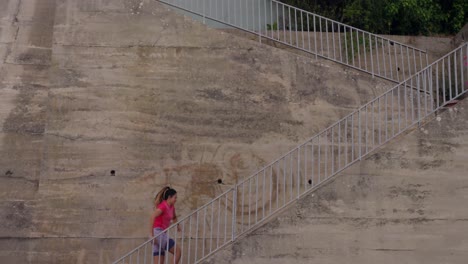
175, 250
159, 259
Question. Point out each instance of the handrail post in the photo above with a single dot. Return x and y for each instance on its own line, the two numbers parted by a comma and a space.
234, 213
259, 22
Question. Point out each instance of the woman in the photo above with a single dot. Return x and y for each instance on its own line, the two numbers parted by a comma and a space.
160, 220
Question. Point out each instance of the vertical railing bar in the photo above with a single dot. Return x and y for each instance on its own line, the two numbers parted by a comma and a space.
295, 27
339, 43
305, 168
380, 120
278, 173
326, 155
339, 145
291, 177
196, 237
284, 180
390, 58
271, 20
396, 61
319, 165
386, 116
412, 99
365, 51
409, 63
431, 87
377, 54
308, 32
263, 194
366, 135
190, 239
333, 40
443, 81
393, 113
145, 254
250, 195
346, 45
321, 35
425, 85
455, 71
234, 211
406, 103
419, 97
359, 134
290, 28
328, 43
426, 91
298, 172
332, 151
225, 216
278, 22
346, 140
271, 187
284, 24
420, 61
182, 243
242, 208
312, 165
302, 30
358, 49
256, 198
373, 125
259, 21
383, 57
218, 234
204, 233
352, 137
175, 243
241, 20
211, 227
402, 63
450, 77
399, 109
462, 77
352, 47
437, 85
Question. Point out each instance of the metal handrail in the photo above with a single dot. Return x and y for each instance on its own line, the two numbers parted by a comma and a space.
314, 34
314, 162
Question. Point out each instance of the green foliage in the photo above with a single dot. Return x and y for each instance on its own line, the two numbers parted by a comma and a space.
400, 17
272, 27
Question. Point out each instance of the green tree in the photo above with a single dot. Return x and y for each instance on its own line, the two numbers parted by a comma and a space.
400, 17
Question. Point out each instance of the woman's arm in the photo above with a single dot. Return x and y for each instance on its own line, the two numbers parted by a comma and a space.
157, 212
174, 220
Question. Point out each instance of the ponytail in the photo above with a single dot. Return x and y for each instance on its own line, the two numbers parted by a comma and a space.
163, 195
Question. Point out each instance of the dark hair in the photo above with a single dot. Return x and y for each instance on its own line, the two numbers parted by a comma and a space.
164, 194
169, 193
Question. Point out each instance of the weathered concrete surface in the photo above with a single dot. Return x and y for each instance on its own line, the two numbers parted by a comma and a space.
403, 204
435, 47
461, 37
25, 58
91, 86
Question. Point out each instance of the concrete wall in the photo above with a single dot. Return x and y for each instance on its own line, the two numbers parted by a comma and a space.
403, 204
92, 86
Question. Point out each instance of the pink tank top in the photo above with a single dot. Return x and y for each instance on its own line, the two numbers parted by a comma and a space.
164, 220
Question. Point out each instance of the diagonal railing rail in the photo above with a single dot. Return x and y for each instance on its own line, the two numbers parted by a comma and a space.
314, 34
308, 166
